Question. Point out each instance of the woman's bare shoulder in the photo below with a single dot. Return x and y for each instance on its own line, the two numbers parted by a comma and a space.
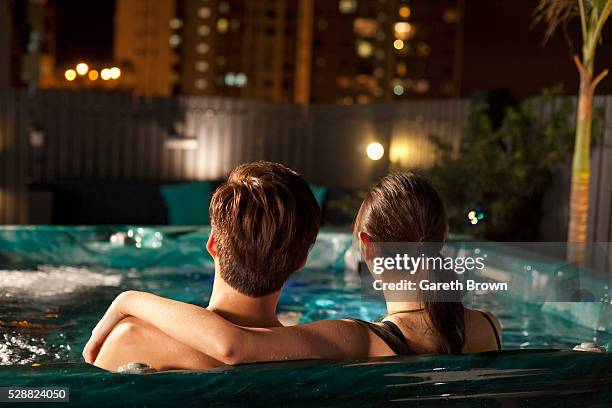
479, 333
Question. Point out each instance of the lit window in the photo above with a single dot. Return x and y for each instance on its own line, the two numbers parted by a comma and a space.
175, 40
422, 86
201, 83
347, 100
347, 6
401, 69
201, 66
202, 48
343, 82
365, 27
224, 7
451, 15
403, 30
203, 30
240, 80
361, 99
230, 79
204, 12
176, 23
404, 11
423, 49
364, 48
222, 25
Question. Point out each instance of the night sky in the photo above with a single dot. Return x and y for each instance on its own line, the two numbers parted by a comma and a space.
84, 30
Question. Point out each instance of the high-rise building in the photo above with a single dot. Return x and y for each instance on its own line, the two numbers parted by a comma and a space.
142, 46
342, 51
387, 49
241, 48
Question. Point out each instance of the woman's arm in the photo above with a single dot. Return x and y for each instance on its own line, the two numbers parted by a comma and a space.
209, 333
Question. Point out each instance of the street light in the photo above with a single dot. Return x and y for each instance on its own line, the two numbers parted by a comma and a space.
375, 151
70, 74
115, 72
82, 68
105, 74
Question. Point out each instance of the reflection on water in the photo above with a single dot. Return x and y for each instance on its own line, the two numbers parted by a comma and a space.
48, 281
47, 313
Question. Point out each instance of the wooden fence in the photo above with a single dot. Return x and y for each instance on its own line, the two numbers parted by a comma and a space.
55, 135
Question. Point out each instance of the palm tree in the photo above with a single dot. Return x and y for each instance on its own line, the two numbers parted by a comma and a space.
593, 15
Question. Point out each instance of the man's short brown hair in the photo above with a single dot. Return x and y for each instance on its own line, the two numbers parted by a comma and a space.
265, 220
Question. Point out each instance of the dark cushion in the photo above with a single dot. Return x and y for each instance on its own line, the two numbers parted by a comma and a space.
188, 203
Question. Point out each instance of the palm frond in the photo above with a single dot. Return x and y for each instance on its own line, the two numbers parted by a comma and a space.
554, 13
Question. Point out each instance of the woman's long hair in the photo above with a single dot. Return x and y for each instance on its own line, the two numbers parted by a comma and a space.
404, 207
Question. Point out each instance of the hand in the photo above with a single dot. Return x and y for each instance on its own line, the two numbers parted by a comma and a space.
110, 319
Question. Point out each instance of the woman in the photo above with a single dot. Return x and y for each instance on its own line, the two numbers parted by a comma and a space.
400, 208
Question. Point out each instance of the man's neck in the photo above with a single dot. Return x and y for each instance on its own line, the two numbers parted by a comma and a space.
241, 309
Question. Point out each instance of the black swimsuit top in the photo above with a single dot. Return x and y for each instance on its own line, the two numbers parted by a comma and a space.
390, 334
393, 336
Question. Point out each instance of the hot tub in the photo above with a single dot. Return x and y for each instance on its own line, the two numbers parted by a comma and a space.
55, 282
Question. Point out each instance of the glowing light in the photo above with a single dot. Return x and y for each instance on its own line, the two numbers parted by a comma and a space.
404, 11
475, 216
201, 66
398, 90
402, 30
230, 79
175, 40
70, 74
347, 6
202, 48
204, 12
115, 72
105, 74
176, 23
201, 83
222, 25
203, 30
93, 75
398, 44
82, 68
364, 48
375, 151
240, 79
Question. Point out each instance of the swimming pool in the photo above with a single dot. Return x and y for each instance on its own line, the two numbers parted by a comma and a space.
55, 282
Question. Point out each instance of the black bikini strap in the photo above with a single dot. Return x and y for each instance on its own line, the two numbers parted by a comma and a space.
390, 334
497, 339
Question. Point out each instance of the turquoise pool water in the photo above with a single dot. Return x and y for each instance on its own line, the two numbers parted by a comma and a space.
56, 282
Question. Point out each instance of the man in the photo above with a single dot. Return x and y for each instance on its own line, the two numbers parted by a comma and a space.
264, 221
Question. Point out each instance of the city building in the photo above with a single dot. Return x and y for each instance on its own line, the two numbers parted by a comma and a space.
329, 51
346, 51
142, 48
369, 50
